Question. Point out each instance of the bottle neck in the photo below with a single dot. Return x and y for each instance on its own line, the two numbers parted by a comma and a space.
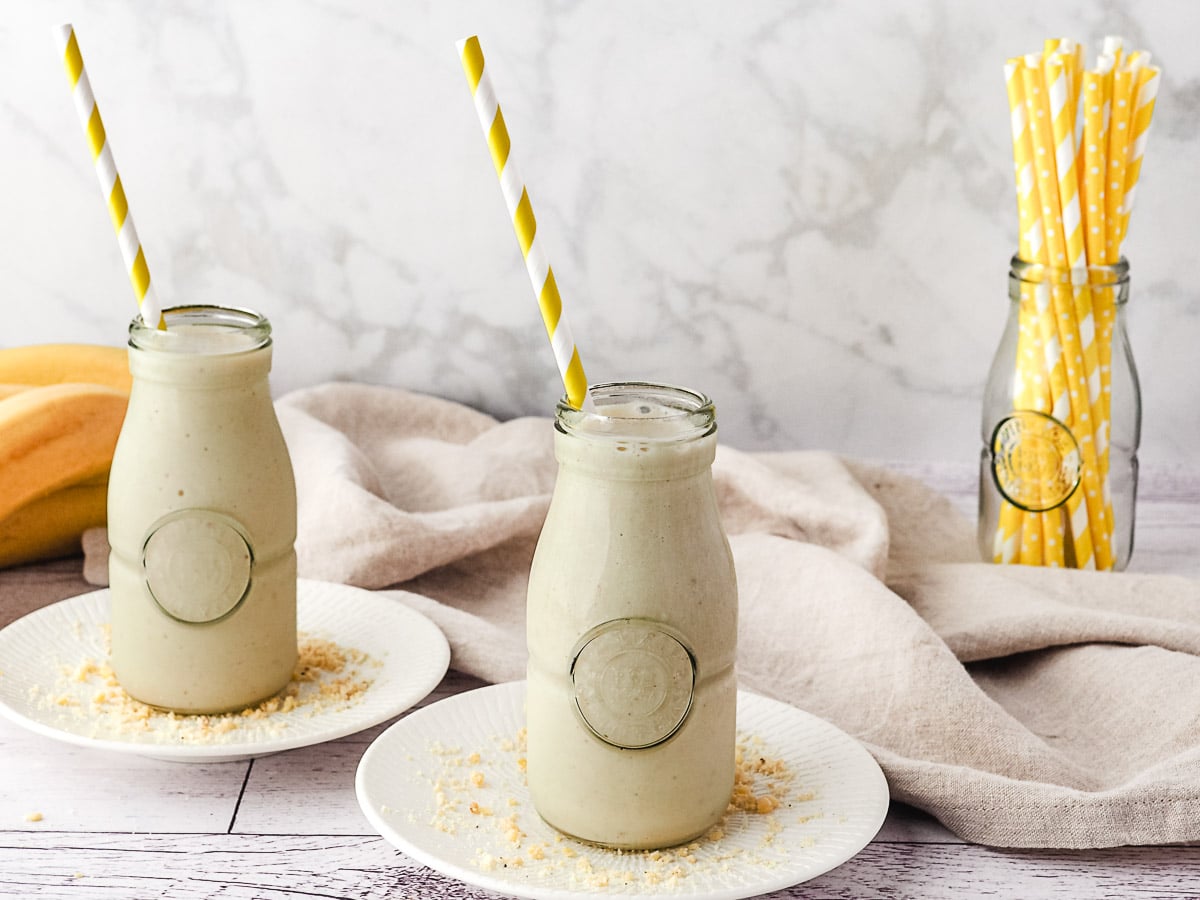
1024, 277
638, 432
202, 347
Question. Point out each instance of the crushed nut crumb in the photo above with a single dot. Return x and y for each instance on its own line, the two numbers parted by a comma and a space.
326, 677
469, 784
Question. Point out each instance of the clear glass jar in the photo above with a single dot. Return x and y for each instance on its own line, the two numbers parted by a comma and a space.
632, 625
1061, 423
202, 518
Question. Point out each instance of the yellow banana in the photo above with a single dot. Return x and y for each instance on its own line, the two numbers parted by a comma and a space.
52, 436
61, 363
52, 526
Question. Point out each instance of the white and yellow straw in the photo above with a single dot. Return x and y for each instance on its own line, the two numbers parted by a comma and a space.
1148, 78
1077, 327
516, 197
110, 181
1019, 537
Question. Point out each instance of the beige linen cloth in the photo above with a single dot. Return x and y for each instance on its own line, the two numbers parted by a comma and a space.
1022, 707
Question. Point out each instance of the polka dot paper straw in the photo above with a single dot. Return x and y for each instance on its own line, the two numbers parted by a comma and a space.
1143, 110
1095, 143
566, 354
106, 172
1118, 140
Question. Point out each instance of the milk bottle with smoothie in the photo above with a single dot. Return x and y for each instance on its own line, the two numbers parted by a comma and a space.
202, 518
632, 625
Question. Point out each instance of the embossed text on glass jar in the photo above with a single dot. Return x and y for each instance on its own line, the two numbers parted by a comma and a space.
1061, 423
632, 625
202, 518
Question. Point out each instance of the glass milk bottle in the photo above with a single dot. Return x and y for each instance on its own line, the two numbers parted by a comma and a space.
202, 518
632, 625
1060, 427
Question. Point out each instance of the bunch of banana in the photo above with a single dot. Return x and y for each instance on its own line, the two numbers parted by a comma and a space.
61, 409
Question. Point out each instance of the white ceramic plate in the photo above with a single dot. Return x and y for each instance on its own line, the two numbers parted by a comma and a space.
407, 657
834, 806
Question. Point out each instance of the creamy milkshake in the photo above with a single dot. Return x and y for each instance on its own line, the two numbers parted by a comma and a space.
202, 518
632, 625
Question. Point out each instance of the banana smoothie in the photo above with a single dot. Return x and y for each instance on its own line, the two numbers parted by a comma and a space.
632, 625
202, 518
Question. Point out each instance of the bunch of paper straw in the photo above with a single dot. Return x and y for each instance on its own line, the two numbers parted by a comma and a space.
1078, 141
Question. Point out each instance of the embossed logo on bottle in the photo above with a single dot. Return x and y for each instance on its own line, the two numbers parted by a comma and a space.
1035, 460
634, 681
197, 565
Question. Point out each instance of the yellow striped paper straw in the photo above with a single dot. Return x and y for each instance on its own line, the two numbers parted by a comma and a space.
1079, 334
1047, 215
1020, 533
1114, 46
1060, 334
1077, 67
106, 172
1059, 79
516, 197
1042, 534
1031, 245
1041, 384
1012, 537
1044, 213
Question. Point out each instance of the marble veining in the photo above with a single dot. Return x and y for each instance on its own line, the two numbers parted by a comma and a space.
804, 209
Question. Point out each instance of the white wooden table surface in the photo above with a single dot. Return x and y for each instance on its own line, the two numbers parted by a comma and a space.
288, 825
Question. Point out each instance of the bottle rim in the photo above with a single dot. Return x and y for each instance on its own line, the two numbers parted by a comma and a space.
1039, 273
678, 414
184, 321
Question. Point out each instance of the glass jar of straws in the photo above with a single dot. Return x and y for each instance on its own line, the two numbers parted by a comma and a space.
1062, 409
1061, 422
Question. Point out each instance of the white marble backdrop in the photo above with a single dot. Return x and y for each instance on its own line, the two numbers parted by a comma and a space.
804, 208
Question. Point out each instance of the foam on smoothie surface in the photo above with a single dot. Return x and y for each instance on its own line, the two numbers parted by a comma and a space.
203, 339
641, 419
